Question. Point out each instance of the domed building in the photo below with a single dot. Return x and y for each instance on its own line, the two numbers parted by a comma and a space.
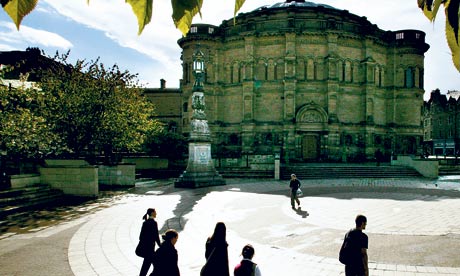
309, 82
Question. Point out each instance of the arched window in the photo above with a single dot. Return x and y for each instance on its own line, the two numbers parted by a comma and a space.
231, 73
266, 72
185, 107
409, 77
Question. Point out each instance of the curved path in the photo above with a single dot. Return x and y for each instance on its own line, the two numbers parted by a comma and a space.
413, 226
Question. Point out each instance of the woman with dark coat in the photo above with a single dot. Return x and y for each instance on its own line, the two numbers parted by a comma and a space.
147, 239
216, 253
165, 263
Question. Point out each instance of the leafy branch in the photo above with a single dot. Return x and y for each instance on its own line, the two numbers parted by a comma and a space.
452, 10
185, 10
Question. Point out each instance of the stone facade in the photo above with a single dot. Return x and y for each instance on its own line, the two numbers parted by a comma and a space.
309, 82
168, 106
441, 123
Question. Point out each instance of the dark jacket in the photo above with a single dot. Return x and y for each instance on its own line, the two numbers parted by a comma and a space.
148, 237
294, 185
245, 268
216, 258
165, 261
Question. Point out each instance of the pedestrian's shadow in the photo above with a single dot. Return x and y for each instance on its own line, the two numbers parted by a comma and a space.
301, 212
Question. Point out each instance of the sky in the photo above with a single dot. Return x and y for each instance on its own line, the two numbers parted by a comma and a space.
107, 29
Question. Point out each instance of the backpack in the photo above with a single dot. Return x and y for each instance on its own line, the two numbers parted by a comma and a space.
345, 253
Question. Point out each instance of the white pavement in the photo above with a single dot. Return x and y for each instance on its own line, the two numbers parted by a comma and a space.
258, 212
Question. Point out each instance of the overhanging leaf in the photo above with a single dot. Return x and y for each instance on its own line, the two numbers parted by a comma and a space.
143, 11
238, 5
183, 13
452, 40
452, 14
430, 7
17, 9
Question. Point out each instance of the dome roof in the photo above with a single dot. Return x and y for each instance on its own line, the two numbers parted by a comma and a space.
295, 3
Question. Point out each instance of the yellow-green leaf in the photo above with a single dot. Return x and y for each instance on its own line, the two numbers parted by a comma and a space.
183, 13
452, 41
143, 11
430, 7
17, 9
238, 5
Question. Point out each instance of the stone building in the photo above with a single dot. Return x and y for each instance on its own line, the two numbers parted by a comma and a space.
168, 107
309, 82
441, 123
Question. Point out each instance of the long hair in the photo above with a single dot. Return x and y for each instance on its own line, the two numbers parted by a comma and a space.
148, 213
220, 232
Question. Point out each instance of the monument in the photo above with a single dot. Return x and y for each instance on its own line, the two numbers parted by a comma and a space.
200, 171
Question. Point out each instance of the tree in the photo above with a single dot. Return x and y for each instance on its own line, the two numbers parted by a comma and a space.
166, 144
24, 131
94, 108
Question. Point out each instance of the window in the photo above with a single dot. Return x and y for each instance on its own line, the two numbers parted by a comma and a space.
193, 29
185, 107
409, 78
210, 30
399, 36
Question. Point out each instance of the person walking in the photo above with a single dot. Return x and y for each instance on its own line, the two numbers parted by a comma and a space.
216, 253
356, 244
147, 239
247, 267
165, 262
294, 184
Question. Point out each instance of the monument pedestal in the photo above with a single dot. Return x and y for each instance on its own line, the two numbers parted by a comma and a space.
200, 171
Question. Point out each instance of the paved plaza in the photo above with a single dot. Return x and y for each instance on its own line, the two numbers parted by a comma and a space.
413, 228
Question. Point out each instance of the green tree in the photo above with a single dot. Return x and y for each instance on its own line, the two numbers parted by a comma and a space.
94, 108
24, 130
166, 144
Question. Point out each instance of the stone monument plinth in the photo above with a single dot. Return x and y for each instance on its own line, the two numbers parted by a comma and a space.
200, 171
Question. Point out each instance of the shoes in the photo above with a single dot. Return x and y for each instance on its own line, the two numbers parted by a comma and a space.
293, 208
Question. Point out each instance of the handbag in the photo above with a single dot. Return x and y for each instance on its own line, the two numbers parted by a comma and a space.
140, 250
205, 269
299, 192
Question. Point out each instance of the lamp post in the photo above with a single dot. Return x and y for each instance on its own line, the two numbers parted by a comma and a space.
200, 171
198, 70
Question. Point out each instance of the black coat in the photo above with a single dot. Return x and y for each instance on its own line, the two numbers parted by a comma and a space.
148, 237
165, 261
216, 259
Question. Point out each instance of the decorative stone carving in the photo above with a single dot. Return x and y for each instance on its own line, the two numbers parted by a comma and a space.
311, 116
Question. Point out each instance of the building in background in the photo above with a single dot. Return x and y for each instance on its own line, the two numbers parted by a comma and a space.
168, 106
441, 124
308, 82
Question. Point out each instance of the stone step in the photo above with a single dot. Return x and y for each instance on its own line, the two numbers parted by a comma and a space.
245, 173
16, 200
324, 172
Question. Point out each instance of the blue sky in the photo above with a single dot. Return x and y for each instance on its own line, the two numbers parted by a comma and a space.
108, 29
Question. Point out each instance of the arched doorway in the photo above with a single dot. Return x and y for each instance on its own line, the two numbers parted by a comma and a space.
310, 147
311, 124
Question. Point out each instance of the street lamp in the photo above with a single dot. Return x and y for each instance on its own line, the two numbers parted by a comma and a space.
198, 69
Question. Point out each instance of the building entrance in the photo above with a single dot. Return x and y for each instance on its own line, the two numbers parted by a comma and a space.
310, 147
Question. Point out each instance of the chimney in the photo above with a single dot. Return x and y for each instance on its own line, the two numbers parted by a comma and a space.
162, 84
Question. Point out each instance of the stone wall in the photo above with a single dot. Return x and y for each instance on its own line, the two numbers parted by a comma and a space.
24, 180
73, 177
427, 168
118, 175
147, 162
